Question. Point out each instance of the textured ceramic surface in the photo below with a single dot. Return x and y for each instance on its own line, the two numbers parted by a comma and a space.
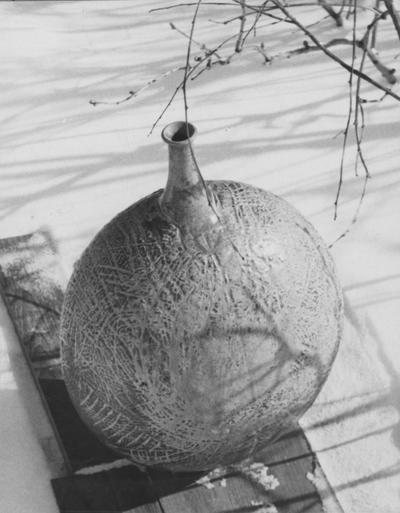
199, 323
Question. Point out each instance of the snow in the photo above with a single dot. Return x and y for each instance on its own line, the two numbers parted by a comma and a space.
261, 508
25, 473
258, 473
104, 467
71, 166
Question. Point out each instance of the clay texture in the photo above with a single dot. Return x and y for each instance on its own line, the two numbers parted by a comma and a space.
187, 349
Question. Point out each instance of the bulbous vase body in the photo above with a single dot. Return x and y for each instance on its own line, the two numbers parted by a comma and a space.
187, 344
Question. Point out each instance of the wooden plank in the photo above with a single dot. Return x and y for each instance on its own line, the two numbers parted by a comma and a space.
118, 489
289, 460
32, 287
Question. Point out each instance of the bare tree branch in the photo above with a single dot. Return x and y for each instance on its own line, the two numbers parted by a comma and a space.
187, 4
189, 73
255, 22
282, 11
337, 16
186, 106
349, 116
330, 54
133, 94
387, 73
357, 212
202, 46
242, 18
393, 14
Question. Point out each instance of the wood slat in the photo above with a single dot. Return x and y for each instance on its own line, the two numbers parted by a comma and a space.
32, 286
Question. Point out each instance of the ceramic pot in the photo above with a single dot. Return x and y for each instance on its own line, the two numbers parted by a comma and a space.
201, 322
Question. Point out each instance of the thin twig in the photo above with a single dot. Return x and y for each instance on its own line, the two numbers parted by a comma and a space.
187, 4
337, 16
202, 46
357, 212
375, 100
317, 22
164, 110
393, 14
242, 18
186, 71
342, 6
186, 106
189, 73
261, 50
254, 24
374, 35
349, 116
387, 73
359, 110
254, 8
133, 94
235, 18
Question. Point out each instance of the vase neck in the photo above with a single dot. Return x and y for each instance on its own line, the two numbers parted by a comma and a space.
185, 201
182, 169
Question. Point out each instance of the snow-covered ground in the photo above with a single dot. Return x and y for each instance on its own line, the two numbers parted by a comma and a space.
71, 166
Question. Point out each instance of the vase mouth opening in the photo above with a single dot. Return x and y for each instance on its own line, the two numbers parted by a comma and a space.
178, 133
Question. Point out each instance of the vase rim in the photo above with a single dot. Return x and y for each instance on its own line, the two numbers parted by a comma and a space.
176, 133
